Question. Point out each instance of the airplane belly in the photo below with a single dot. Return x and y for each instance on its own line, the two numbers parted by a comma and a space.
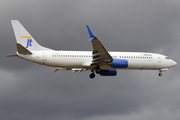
140, 64
71, 63
65, 62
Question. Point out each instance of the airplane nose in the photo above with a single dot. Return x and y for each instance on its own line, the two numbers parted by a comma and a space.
173, 63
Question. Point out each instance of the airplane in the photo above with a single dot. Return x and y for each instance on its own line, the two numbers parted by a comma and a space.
98, 61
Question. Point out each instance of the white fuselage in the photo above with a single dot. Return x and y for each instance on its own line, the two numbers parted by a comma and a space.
83, 59
99, 60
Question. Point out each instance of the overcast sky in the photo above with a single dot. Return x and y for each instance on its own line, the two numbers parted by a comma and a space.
29, 91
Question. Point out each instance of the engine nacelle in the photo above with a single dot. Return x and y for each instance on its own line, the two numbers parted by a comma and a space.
119, 63
108, 73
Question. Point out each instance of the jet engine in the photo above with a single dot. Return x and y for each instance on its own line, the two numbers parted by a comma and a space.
119, 63
108, 73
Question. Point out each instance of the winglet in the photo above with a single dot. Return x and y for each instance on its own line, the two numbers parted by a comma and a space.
91, 34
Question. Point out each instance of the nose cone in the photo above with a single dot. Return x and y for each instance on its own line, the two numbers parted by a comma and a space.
173, 63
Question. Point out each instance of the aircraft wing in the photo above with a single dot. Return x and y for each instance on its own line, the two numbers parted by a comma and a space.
100, 54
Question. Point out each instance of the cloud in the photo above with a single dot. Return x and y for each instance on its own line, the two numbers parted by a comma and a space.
147, 113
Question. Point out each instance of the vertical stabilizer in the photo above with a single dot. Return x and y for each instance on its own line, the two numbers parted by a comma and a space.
25, 39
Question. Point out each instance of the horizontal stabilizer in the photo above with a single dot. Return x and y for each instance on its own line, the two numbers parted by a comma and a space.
22, 50
11, 56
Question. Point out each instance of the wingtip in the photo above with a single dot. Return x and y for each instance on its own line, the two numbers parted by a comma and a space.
14, 21
91, 34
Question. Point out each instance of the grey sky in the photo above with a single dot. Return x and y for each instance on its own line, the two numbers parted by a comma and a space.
31, 91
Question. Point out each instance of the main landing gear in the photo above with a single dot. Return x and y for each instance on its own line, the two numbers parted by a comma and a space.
98, 71
92, 75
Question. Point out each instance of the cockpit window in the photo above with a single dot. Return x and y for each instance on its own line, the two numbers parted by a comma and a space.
167, 57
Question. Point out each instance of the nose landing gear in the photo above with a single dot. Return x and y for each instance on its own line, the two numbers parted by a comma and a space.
160, 74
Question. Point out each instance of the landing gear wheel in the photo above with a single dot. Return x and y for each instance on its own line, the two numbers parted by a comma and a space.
92, 75
98, 71
160, 74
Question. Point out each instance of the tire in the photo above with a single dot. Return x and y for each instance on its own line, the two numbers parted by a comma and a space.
98, 71
92, 75
160, 74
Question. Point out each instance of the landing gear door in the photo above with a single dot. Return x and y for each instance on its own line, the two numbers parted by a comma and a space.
44, 57
159, 59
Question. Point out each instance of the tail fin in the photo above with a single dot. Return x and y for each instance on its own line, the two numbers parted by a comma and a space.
24, 40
